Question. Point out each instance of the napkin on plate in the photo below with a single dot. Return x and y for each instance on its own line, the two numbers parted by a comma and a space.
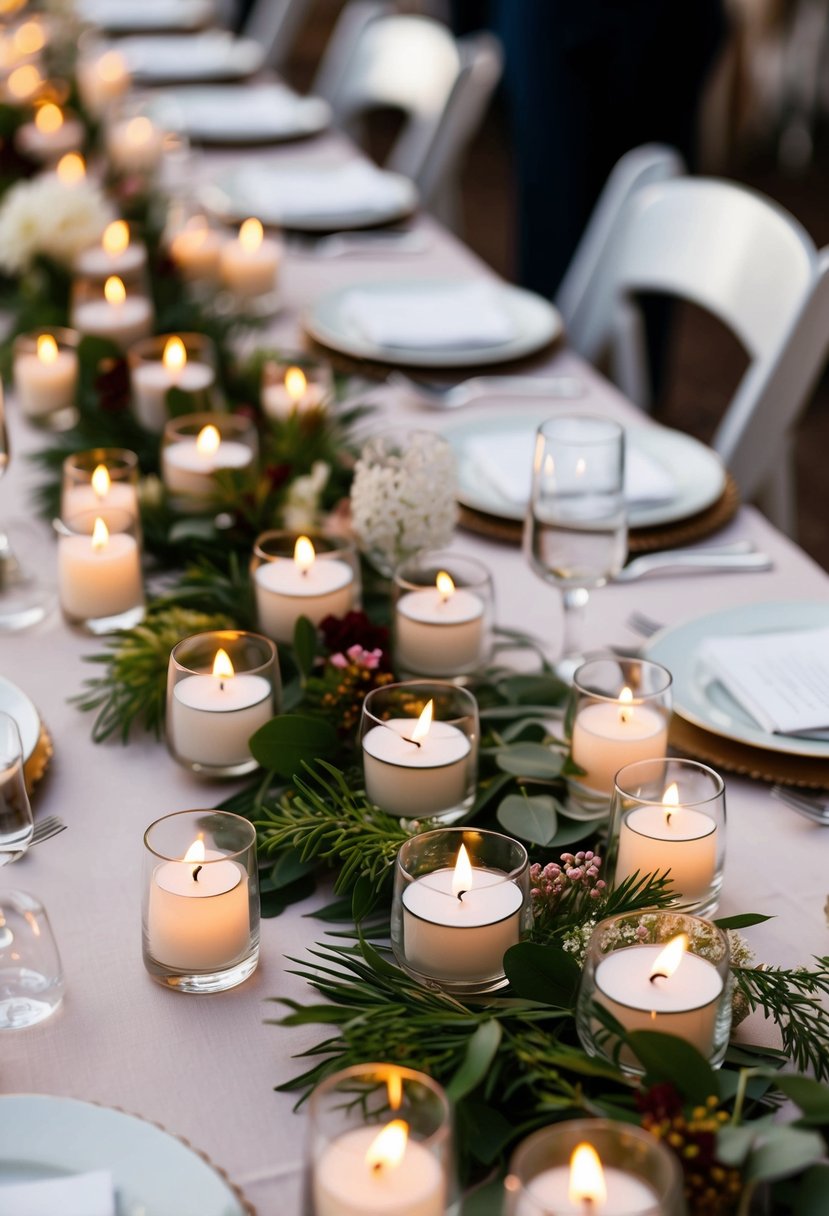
506, 462
781, 679
255, 108
72, 1195
466, 314
318, 189
179, 54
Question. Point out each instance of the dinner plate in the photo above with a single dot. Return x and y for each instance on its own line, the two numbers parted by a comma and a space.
276, 193
13, 701
153, 1172
169, 58
132, 16
697, 471
535, 322
242, 114
701, 699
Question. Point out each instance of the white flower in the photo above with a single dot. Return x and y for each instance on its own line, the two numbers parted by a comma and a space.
45, 216
302, 503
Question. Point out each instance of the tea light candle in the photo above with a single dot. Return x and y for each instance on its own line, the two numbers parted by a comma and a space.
287, 589
198, 916
99, 575
664, 988
135, 145
109, 500
415, 769
458, 923
681, 839
214, 715
52, 133
188, 466
587, 1188
116, 254
23, 83
249, 263
45, 381
608, 736
102, 80
439, 631
121, 318
196, 249
293, 395
71, 169
152, 379
366, 1173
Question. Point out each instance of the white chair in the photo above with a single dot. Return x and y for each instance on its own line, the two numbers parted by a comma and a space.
274, 24
376, 59
753, 267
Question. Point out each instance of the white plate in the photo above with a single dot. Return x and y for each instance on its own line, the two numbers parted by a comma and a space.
15, 703
153, 1172
128, 16
255, 189
697, 471
242, 114
535, 322
702, 700
213, 55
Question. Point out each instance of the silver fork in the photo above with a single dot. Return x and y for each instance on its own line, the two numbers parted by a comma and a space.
643, 624
51, 826
813, 807
436, 396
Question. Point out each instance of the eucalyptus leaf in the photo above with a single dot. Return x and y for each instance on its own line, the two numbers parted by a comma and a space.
486, 1131
287, 742
808, 1094
287, 868
196, 528
305, 645
534, 689
480, 1052
734, 1144
569, 831
668, 1058
542, 973
812, 1196
485, 1200
529, 760
786, 1151
529, 818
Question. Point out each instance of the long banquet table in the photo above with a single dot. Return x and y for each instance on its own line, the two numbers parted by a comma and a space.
205, 1067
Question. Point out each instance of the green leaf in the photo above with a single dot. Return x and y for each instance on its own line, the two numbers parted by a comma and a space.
274, 903
532, 819
786, 1151
812, 1198
480, 1052
529, 760
571, 830
742, 922
542, 973
286, 743
808, 1094
734, 1144
287, 868
534, 690
363, 898
667, 1058
485, 1200
305, 645
486, 1131
197, 528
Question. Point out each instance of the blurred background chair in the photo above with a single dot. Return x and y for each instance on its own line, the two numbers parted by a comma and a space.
275, 25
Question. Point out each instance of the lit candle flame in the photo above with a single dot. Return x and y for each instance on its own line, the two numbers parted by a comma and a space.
47, 348
222, 666
625, 710
208, 440
670, 800
304, 554
71, 169
29, 38
667, 960
388, 1148
116, 238
587, 1184
114, 291
424, 722
295, 383
24, 81
49, 118
462, 875
251, 233
138, 131
196, 850
101, 481
394, 1085
445, 585
100, 535
174, 357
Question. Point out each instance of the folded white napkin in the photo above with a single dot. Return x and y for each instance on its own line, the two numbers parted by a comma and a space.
148, 14
179, 55
781, 679
466, 314
317, 189
506, 462
73, 1195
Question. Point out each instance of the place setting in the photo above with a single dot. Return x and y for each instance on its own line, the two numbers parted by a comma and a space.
236, 115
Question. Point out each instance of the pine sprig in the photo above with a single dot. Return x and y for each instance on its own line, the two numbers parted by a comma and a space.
793, 999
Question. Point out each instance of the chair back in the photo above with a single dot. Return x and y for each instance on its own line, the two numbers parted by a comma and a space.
274, 24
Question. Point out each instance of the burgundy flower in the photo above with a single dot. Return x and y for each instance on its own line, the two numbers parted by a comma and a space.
355, 629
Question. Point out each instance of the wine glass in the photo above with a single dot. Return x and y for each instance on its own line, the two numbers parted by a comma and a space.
575, 534
16, 826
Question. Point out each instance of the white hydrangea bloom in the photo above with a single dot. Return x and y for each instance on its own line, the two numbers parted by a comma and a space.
45, 216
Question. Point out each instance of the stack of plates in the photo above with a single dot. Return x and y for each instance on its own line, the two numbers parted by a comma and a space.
241, 114
213, 55
142, 16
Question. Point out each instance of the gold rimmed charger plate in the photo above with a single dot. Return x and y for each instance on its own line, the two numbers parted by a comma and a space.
755, 762
38, 762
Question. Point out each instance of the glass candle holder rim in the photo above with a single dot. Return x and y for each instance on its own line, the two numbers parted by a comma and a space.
685, 762
152, 347
7, 721
64, 335
441, 685
651, 664
230, 636
613, 430
400, 578
339, 545
510, 841
355, 1071
177, 428
118, 522
115, 460
663, 914
243, 824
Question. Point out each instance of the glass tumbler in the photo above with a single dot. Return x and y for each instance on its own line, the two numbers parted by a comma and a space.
311, 575
45, 371
207, 458
16, 824
31, 976
180, 363
103, 480
100, 584
444, 608
294, 385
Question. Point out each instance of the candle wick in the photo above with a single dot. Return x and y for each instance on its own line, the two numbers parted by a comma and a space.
406, 739
461, 895
377, 1168
668, 818
658, 975
221, 685
196, 873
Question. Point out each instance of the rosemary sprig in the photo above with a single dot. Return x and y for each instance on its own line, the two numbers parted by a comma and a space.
793, 999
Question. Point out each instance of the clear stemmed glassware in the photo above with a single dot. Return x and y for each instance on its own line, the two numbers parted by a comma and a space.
16, 824
575, 535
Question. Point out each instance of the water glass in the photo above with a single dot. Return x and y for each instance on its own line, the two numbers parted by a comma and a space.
31, 976
16, 825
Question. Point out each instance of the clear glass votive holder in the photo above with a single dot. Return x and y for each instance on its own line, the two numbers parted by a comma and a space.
102, 73
379, 1140
684, 990
249, 264
443, 611
45, 374
133, 139
103, 480
641, 1176
113, 310
420, 743
312, 575
221, 687
195, 246
100, 588
200, 908
185, 362
198, 450
619, 710
118, 252
295, 384
16, 825
670, 815
461, 899
31, 975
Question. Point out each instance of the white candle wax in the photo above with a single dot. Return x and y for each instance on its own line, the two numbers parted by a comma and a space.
439, 635
683, 840
187, 471
414, 781
152, 381
46, 146
196, 252
97, 263
123, 323
134, 145
120, 498
45, 388
212, 718
99, 582
683, 1004
462, 940
284, 593
608, 736
279, 404
201, 924
344, 1184
102, 80
251, 271
626, 1195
